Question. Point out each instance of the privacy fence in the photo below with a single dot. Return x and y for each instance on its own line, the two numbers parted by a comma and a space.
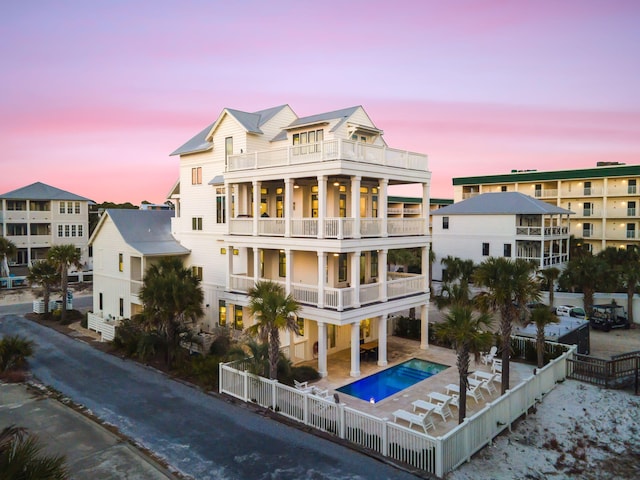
436, 455
621, 371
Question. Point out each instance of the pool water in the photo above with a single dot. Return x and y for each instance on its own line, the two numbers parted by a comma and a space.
392, 380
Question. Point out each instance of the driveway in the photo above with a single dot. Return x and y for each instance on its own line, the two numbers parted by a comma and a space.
196, 434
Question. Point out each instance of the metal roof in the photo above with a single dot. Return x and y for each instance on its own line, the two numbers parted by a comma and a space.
251, 122
501, 203
147, 231
342, 114
533, 175
42, 191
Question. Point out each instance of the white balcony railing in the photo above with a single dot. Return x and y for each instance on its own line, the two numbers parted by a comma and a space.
326, 151
304, 227
406, 226
398, 285
537, 231
271, 227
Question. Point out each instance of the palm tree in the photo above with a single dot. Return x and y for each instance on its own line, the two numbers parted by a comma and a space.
586, 273
273, 310
63, 257
466, 332
630, 274
44, 274
14, 351
7, 249
171, 296
549, 277
541, 316
511, 285
20, 457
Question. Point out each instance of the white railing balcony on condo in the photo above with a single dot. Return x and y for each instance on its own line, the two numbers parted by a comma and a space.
538, 231
326, 151
338, 228
398, 286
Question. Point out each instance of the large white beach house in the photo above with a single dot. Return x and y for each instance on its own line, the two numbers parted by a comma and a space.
302, 202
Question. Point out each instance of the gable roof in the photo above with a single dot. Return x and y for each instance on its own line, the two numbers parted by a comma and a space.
251, 122
42, 191
342, 114
501, 203
147, 231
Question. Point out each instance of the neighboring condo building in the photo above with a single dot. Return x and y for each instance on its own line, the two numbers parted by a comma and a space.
302, 202
505, 224
604, 199
39, 216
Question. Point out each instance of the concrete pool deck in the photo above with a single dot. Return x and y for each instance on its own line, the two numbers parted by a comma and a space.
400, 350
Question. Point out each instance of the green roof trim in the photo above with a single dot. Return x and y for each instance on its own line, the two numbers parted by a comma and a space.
432, 201
532, 176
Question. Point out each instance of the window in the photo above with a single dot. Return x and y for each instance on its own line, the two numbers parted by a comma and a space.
587, 209
223, 251
631, 188
631, 230
100, 301
507, 250
538, 189
342, 205
222, 313
282, 264
120, 262
196, 272
631, 209
62, 207
342, 267
228, 150
587, 229
300, 323
374, 203
314, 201
77, 207
220, 205
237, 318
122, 307
74, 230
485, 249
587, 188
445, 223
69, 207
503, 188
196, 223
67, 230
60, 230
17, 205
301, 140
90, 251
16, 229
279, 202
80, 232
196, 176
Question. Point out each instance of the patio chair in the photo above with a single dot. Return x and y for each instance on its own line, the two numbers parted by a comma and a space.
487, 384
303, 386
441, 409
475, 392
422, 419
487, 358
496, 368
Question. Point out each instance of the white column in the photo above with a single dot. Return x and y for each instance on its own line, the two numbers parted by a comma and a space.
383, 206
425, 266
256, 264
229, 265
322, 266
355, 205
424, 327
382, 274
228, 190
322, 349
322, 204
355, 349
355, 278
256, 205
288, 205
288, 258
382, 340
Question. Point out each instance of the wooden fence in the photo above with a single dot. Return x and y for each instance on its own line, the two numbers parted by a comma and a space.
620, 371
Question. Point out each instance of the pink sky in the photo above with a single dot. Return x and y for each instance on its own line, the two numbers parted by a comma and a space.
95, 95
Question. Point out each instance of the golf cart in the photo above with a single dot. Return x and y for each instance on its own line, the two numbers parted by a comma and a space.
607, 316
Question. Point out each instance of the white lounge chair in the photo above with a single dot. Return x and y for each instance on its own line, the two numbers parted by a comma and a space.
422, 419
487, 358
474, 390
303, 386
441, 409
496, 368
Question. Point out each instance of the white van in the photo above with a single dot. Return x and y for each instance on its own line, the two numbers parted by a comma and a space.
570, 311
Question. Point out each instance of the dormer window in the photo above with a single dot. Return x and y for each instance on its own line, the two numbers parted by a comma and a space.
310, 138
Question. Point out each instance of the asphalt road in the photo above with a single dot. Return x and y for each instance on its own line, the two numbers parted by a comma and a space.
196, 434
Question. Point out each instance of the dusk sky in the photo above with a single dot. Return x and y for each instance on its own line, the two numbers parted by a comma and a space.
95, 95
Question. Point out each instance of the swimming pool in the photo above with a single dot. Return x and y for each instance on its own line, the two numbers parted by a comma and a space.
392, 380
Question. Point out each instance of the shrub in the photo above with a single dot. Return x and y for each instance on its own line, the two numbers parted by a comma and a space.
407, 328
304, 373
14, 351
84, 323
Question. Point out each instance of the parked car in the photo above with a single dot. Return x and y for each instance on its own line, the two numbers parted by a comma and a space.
608, 316
571, 311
